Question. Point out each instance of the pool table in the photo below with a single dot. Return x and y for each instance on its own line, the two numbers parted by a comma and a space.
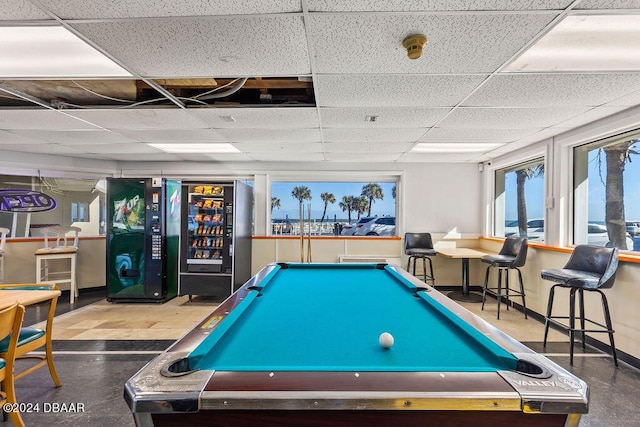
298, 344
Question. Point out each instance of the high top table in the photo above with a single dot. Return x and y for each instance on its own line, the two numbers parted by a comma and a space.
465, 254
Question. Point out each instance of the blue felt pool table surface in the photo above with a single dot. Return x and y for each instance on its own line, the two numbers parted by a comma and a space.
328, 317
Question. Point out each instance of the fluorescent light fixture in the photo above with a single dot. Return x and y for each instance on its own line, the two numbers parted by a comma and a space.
585, 43
453, 147
197, 148
51, 52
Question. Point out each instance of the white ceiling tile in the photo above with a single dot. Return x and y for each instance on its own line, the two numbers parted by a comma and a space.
475, 135
275, 118
367, 147
82, 9
39, 119
205, 47
433, 5
362, 157
278, 147
373, 135
554, 90
457, 43
534, 137
142, 118
394, 90
20, 10
73, 137
507, 118
290, 157
608, 4
385, 117
10, 137
173, 135
589, 116
218, 157
627, 100
44, 148
154, 157
437, 157
271, 135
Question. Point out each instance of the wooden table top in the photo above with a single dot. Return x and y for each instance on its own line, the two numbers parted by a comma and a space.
462, 252
25, 296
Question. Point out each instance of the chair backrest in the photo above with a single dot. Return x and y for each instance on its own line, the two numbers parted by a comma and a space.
60, 236
3, 238
516, 247
417, 241
10, 323
595, 259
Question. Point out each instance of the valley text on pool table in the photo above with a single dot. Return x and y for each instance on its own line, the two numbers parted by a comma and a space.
298, 344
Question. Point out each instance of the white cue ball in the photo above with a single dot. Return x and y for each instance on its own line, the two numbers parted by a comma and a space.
386, 340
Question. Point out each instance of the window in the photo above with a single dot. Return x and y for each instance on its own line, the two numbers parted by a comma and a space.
519, 201
606, 200
336, 208
79, 212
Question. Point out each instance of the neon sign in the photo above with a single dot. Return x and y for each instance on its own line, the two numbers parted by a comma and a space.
25, 201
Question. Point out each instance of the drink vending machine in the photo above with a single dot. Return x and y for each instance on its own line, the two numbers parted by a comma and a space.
143, 233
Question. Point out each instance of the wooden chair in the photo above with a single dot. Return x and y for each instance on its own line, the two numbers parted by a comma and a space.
3, 242
31, 339
10, 323
58, 245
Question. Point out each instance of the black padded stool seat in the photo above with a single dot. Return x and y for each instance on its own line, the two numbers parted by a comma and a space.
420, 246
590, 268
512, 256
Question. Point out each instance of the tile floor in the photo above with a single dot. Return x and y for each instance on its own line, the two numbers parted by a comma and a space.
95, 365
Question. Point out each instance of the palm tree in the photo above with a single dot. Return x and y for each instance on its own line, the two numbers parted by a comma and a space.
347, 206
361, 205
521, 176
301, 193
275, 203
393, 192
327, 198
372, 191
617, 156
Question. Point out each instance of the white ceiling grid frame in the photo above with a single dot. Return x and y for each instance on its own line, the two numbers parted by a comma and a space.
523, 48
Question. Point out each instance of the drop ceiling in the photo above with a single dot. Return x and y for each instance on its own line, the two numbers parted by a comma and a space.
308, 73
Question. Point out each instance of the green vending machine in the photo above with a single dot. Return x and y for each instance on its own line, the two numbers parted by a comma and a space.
143, 233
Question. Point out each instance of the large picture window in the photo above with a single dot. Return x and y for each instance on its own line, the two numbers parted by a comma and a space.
519, 201
606, 196
335, 208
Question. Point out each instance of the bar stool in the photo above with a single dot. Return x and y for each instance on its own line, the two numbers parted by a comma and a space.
57, 245
420, 246
512, 256
3, 242
590, 268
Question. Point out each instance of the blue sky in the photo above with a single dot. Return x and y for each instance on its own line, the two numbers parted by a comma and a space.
534, 195
289, 205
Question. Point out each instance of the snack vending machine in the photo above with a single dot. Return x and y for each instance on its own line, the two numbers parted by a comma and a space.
143, 233
216, 238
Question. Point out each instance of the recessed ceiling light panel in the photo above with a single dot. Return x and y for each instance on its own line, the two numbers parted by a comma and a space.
585, 43
51, 52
